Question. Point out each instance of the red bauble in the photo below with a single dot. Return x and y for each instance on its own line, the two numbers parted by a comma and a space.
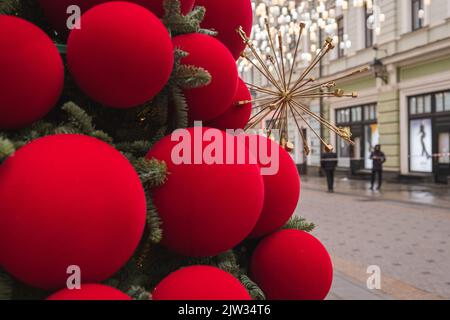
90, 292
56, 11
122, 56
200, 283
281, 187
32, 73
292, 265
68, 200
208, 102
237, 116
226, 16
205, 208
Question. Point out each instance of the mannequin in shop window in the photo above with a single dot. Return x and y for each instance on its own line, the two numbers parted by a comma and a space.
378, 158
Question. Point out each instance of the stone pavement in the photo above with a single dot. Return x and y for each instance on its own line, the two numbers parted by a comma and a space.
405, 230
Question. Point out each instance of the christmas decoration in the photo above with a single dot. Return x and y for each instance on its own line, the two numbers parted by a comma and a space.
282, 100
56, 11
217, 205
292, 265
226, 16
32, 73
90, 292
200, 283
213, 99
237, 115
120, 65
68, 200
281, 189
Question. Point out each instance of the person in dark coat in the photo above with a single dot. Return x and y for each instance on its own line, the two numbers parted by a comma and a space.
328, 164
378, 158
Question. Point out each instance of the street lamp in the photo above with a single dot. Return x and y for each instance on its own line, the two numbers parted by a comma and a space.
378, 67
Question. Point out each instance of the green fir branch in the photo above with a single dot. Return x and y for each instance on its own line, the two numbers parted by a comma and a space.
138, 148
299, 223
152, 172
154, 223
190, 77
180, 112
79, 119
6, 285
9, 6
177, 23
7, 148
255, 292
139, 293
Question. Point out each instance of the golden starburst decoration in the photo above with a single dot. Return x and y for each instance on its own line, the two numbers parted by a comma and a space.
282, 99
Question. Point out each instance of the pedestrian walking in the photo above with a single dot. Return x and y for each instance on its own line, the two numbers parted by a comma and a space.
378, 158
328, 164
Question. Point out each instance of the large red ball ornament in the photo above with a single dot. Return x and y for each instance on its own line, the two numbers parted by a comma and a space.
56, 11
226, 16
237, 115
200, 283
208, 102
32, 73
122, 56
281, 185
90, 292
292, 265
68, 200
206, 208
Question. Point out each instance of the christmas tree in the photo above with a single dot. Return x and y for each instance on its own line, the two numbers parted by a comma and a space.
87, 114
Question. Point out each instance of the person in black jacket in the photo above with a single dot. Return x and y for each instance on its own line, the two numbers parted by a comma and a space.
328, 164
378, 158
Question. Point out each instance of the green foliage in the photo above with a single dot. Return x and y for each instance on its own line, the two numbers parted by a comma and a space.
177, 23
255, 292
6, 286
8, 6
133, 132
299, 223
6, 148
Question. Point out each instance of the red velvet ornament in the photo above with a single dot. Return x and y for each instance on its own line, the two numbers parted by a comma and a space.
292, 265
208, 102
90, 292
32, 73
68, 200
200, 283
237, 116
226, 16
122, 56
206, 209
56, 11
281, 190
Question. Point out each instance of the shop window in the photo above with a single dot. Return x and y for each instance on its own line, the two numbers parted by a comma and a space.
370, 112
420, 145
447, 101
340, 34
356, 114
372, 138
444, 148
417, 14
439, 97
427, 104
368, 27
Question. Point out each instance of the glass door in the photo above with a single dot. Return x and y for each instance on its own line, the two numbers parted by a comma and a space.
443, 155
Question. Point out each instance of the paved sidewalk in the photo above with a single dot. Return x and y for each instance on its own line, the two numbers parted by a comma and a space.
405, 230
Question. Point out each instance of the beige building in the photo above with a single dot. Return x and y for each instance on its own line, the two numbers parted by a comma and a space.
404, 101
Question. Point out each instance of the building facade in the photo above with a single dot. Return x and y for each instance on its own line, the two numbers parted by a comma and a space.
403, 100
